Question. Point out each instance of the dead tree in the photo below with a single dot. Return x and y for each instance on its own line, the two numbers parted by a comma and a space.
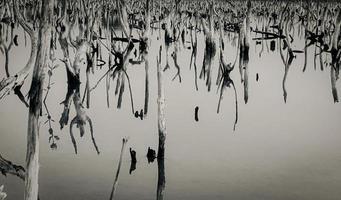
35, 100
335, 53
144, 47
112, 194
161, 108
15, 81
290, 55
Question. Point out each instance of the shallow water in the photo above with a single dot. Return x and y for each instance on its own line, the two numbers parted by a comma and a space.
278, 150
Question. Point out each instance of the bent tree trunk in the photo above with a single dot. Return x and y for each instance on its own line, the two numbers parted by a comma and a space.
12, 82
35, 95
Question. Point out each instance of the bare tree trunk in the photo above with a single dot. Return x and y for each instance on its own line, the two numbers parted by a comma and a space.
112, 194
145, 54
323, 19
161, 127
161, 109
11, 83
306, 27
334, 69
35, 95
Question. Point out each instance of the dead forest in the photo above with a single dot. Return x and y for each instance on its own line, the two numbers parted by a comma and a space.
99, 42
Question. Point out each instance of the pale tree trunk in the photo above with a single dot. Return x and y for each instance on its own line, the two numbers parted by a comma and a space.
35, 95
161, 108
162, 131
113, 190
11, 83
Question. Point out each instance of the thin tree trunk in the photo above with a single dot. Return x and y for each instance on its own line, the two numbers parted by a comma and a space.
306, 27
146, 38
35, 95
112, 194
323, 19
161, 109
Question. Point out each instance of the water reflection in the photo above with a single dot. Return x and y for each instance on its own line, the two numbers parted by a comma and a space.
81, 118
151, 155
110, 42
133, 160
161, 179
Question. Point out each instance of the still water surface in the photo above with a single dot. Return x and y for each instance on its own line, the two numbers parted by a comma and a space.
278, 151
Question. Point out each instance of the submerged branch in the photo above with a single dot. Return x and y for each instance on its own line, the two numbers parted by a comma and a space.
7, 167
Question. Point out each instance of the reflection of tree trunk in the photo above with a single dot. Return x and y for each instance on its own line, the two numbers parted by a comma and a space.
161, 179
35, 95
333, 83
161, 108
